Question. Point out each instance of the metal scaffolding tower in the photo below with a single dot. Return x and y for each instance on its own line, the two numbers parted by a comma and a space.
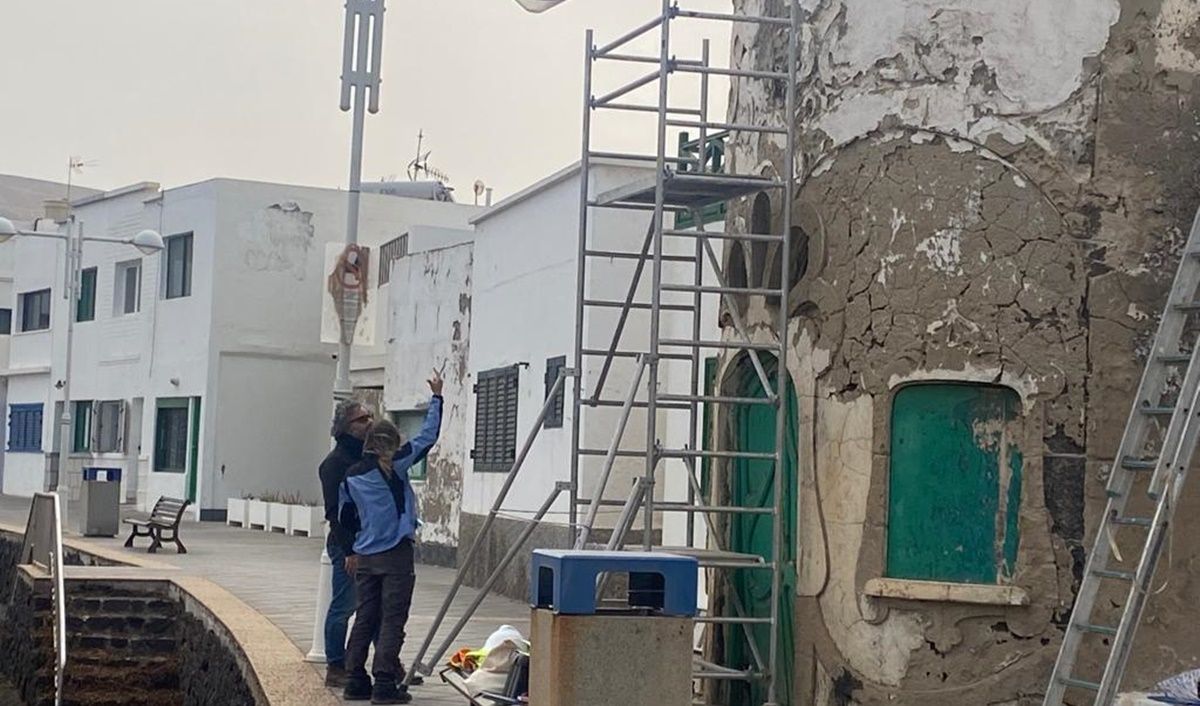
683, 265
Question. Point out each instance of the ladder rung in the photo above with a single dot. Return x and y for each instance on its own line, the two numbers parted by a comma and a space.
720, 559
732, 620
619, 255
1187, 306
1113, 574
753, 237
643, 59
708, 674
716, 509
621, 453
1098, 629
638, 404
1131, 521
726, 564
1157, 411
640, 306
738, 73
632, 354
733, 127
712, 289
770, 401
700, 453
734, 345
1080, 683
632, 157
635, 108
1138, 464
1174, 358
752, 19
634, 206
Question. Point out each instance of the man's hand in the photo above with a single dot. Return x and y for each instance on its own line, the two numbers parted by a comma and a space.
435, 383
350, 564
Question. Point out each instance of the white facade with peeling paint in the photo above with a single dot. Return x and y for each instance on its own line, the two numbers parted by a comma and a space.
242, 349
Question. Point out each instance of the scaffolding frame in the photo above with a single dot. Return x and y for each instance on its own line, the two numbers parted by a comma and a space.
682, 185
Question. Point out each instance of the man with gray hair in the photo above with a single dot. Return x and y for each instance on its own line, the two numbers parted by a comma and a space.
351, 420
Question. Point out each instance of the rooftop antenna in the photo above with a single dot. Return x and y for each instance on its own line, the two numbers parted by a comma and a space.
420, 164
75, 165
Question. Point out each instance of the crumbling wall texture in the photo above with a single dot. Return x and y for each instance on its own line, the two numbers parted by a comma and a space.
995, 191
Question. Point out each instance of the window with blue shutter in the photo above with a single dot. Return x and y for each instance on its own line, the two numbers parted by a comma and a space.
25, 428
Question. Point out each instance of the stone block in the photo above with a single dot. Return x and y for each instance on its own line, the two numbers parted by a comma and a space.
600, 660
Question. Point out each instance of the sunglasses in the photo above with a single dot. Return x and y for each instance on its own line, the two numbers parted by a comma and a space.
363, 418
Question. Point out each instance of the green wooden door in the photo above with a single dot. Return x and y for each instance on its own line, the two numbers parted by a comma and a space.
955, 484
752, 483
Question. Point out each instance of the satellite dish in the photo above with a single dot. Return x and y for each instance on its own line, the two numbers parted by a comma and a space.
479, 187
538, 5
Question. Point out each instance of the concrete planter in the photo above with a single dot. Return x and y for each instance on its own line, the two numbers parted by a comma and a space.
236, 512
256, 514
306, 521
278, 516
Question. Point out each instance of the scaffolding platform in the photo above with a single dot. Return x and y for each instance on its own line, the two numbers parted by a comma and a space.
687, 189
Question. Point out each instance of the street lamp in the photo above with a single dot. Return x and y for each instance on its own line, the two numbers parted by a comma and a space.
147, 242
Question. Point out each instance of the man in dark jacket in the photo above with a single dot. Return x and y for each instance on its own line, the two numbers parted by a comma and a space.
350, 423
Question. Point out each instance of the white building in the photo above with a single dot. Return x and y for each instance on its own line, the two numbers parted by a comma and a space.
199, 372
512, 325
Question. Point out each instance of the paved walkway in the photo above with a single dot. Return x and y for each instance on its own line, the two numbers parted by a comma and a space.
277, 576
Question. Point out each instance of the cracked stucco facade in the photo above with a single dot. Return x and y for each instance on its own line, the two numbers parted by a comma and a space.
989, 190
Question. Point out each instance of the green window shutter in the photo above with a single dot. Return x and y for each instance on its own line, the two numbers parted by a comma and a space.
954, 485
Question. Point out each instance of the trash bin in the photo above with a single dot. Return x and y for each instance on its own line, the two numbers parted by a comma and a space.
100, 502
587, 655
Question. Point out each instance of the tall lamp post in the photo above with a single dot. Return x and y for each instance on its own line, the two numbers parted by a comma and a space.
147, 242
362, 57
362, 54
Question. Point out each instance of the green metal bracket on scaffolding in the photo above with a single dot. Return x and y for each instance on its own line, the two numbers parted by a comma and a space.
714, 163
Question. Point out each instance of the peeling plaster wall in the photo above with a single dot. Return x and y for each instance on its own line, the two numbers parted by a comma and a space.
991, 191
430, 329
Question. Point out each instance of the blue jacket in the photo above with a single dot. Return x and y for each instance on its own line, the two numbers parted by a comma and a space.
377, 511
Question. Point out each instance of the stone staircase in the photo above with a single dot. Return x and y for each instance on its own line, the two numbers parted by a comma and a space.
123, 645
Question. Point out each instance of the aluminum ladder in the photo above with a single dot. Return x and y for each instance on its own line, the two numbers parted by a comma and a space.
682, 185
1155, 454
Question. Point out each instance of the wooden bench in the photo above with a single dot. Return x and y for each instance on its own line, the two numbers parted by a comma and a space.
165, 518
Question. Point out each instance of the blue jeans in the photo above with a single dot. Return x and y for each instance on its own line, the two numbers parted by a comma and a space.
341, 606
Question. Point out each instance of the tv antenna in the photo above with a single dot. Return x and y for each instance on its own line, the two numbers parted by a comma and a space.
420, 165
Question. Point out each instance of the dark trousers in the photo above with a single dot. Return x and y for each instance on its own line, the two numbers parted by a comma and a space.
384, 584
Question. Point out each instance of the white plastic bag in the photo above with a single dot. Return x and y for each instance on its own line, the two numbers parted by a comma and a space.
503, 646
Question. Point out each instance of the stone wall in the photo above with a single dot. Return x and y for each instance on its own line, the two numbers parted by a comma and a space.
514, 581
993, 191
132, 642
209, 674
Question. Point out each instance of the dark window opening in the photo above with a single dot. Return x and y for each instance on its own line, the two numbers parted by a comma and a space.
554, 415
496, 420
35, 310
179, 266
86, 309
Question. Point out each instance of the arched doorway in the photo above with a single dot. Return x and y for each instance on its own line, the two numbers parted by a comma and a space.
752, 484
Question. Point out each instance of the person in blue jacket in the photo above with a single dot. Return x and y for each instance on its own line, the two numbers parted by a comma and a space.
377, 525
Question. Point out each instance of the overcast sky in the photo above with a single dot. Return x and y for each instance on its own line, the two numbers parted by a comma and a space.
178, 91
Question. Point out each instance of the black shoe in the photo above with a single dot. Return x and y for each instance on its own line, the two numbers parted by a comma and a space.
358, 688
390, 693
335, 676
